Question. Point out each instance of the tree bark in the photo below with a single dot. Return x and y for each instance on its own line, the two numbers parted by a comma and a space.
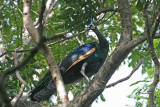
37, 36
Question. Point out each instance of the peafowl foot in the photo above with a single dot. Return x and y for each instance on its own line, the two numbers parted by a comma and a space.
83, 71
85, 83
85, 76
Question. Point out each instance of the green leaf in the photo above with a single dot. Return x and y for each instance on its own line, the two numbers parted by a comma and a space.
139, 5
102, 98
137, 82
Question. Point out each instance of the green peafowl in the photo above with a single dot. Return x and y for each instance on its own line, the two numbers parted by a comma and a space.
84, 61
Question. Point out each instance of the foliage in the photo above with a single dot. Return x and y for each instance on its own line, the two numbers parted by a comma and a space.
68, 14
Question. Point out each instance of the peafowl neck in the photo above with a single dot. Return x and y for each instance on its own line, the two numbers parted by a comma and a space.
103, 43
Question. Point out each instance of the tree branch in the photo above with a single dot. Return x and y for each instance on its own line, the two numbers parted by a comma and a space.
45, 50
156, 22
126, 20
40, 19
155, 60
49, 7
150, 32
126, 78
14, 100
55, 75
156, 73
61, 35
11, 70
17, 51
108, 18
105, 10
77, 34
28, 23
97, 85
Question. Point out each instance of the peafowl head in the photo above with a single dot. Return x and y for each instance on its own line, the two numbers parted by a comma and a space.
92, 26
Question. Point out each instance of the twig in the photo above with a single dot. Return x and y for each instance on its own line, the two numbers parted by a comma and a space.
61, 35
17, 51
104, 10
11, 70
77, 34
17, 7
126, 78
108, 18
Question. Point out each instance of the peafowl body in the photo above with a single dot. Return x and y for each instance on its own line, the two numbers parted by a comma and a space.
84, 61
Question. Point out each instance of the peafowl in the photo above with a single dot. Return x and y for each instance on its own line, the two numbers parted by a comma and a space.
82, 62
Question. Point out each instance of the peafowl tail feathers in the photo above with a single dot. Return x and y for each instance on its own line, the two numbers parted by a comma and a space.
44, 90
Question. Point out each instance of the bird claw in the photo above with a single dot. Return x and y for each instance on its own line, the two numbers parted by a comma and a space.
84, 86
85, 80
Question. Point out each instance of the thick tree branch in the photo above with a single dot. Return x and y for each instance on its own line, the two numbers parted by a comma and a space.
114, 60
55, 75
98, 84
28, 23
126, 20
96, 87
46, 51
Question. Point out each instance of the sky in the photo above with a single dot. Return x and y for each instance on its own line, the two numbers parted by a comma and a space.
117, 96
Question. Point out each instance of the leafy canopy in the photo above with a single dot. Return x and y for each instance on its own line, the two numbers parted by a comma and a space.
66, 15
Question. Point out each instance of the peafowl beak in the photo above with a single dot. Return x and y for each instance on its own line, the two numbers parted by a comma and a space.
93, 26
